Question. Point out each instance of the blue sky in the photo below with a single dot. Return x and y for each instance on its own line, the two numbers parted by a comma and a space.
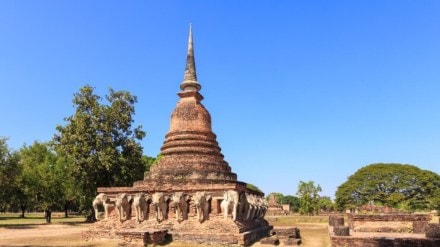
297, 90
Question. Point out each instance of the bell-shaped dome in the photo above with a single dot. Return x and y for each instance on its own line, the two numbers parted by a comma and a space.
190, 115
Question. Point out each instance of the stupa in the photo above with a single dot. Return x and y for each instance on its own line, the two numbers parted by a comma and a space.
190, 152
190, 194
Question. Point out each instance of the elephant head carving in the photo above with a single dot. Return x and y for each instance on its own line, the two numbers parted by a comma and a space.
123, 204
159, 201
252, 206
102, 199
264, 207
230, 202
243, 205
202, 203
141, 203
180, 204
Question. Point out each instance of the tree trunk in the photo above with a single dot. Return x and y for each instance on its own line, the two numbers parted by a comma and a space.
23, 208
66, 207
48, 215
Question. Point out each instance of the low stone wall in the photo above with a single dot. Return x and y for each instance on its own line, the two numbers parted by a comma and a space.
245, 238
142, 238
129, 237
286, 232
388, 222
202, 238
288, 236
335, 221
433, 230
337, 241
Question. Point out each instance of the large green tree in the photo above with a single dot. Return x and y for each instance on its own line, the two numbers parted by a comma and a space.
44, 179
293, 202
396, 185
308, 194
10, 193
100, 142
326, 204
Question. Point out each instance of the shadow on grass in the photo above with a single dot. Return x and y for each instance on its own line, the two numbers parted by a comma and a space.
20, 226
36, 224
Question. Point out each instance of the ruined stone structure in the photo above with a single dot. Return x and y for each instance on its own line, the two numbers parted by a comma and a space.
402, 222
376, 230
275, 208
191, 192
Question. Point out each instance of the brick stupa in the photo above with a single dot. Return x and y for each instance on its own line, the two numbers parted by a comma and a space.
190, 153
191, 162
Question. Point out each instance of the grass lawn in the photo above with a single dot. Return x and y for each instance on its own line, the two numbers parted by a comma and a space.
313, 229
11, 219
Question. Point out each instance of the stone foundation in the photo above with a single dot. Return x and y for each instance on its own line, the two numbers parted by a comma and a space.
286, 232
385, 230
336, 221
289, 236
215, 231
404, 223
433, 231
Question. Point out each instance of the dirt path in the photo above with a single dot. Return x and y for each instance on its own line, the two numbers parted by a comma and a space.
46, 235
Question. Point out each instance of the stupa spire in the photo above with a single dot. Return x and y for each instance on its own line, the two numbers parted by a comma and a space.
190, 82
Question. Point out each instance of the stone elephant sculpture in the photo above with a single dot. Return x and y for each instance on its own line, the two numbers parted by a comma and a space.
159, 201
264, 208
252, 208
230, 202
123, 205
141, 203
243, 205
180, 202
202, 203
259, 207
104, 200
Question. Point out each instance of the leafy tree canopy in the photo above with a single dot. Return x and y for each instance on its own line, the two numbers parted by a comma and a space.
308, 194
326, 204
100, 142
396, 185
10, 169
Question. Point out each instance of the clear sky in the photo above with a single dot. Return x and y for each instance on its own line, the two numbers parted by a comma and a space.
297, 90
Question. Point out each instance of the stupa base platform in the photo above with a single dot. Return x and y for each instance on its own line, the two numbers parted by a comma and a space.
216, 230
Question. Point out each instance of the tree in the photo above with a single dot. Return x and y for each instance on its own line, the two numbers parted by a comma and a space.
293, 201
44, 179
10, 169
40, 181
309, 197
395, 185
69, 196
326, 204
100, 143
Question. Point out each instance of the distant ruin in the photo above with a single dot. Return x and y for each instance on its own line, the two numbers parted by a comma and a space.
275, 208
376, 226
190, 194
